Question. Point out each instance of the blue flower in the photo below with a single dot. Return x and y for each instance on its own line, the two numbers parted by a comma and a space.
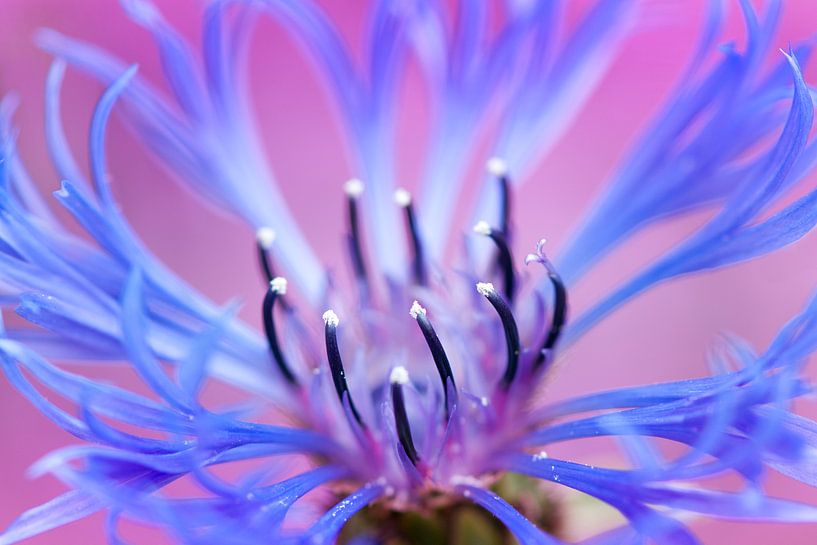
416, 397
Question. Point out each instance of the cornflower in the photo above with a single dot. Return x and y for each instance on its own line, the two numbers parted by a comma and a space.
407, 400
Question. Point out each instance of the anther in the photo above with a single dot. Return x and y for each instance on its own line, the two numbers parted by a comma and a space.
400, 377
331, 321
559, 302
499, 169
403, 199
504, 258
277, 288
437, 352
509, 326
354, 189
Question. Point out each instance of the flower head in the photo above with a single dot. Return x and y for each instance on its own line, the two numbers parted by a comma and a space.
417, 396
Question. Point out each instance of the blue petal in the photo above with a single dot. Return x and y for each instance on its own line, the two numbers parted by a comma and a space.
69, 507
524, 530
326, 530
701, 250
178, 62
133, 337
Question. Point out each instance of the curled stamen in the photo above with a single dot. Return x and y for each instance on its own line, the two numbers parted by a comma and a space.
277, 287
504, 257
403, 199
264, 239
354, 189
331, 321
498, 168
559, 302
509, 326
399, 377
437, 352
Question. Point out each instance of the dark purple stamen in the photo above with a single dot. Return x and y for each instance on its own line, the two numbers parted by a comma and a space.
499, 170
403, 198
559, 315
336, 364
504, 258
353, 190
263, 243
437, 352
559, 304
510, 328
276, 289
505, 205
399, 377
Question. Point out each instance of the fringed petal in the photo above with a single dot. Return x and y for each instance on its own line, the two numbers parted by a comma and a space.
206, 156
728, 228
69, 507
326, 530
524, 530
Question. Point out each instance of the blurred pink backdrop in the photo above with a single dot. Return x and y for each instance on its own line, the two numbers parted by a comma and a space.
660, 336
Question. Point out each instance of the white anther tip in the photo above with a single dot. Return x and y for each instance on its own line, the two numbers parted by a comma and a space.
482, 228
278, 285
265, 237
416, 309
402, 197
399, 375
353, 188
330, 318
496, 166
485, 288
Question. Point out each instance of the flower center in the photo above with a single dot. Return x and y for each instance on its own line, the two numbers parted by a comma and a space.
441, 519
421, 434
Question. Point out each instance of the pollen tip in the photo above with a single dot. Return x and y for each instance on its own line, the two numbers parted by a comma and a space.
399, 375
265, 237
482, 227
353, 187
416, 310
530, 258
541, 455
278, 285
330, 318
402, 197
497, 166
485, 288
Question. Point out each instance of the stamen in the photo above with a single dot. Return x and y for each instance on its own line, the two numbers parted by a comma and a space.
354, 189
403, 199
331, 322
264, 238
499, 169
559, 302
277, 287
509, 326
504, 257
437, 352
400, 377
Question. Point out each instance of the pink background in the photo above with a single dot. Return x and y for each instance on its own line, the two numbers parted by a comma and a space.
661, 336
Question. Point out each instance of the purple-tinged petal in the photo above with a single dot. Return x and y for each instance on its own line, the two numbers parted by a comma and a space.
523, 529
